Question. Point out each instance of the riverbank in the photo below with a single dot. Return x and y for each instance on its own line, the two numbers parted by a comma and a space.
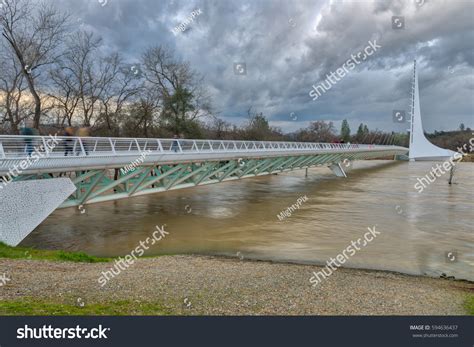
205, 285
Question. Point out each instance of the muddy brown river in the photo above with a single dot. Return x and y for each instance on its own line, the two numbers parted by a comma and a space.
428, 233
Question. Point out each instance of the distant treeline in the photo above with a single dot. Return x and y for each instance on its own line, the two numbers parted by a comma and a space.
257, 128
454, 140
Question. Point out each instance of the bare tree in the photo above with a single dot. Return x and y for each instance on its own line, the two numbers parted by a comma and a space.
143, 116
34, 32
220, 128
318, 131
15, 104
124, 85
65, 94
180, 89
82, 80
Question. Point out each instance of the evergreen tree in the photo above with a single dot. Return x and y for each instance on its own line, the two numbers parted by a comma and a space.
345, 131
360, 132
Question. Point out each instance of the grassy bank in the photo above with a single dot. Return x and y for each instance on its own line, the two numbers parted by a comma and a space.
66, 283
469, 304
30, 306
38, 254
37, 307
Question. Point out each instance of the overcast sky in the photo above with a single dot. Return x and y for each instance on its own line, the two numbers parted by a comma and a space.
287, 46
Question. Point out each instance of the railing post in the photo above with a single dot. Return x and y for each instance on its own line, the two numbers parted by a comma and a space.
159, 145
112, 146
2, 152
74, 147
82, 146
45, 146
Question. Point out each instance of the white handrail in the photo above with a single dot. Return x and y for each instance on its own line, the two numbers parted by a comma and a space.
15, 146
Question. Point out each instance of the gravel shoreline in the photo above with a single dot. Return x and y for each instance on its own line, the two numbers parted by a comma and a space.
206, 285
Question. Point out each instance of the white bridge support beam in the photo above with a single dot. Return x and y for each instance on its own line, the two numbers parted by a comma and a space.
338, 170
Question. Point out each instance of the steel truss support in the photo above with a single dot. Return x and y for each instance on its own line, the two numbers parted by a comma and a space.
110, 184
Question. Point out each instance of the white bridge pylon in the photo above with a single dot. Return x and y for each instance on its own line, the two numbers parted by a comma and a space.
420, 147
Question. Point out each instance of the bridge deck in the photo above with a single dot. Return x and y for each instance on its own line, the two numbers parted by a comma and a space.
48, 154
104, 169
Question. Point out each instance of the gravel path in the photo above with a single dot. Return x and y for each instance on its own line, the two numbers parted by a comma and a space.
197, 285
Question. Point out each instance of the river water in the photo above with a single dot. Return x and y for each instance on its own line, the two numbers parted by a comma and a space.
428, 233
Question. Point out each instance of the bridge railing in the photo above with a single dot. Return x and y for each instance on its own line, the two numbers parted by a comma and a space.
12, 146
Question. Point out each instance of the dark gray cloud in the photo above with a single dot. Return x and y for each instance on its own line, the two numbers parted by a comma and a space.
288, 46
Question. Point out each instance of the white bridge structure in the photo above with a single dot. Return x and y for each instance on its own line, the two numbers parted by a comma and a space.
105, 169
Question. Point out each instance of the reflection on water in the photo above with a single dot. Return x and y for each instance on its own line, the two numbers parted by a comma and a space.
417, 230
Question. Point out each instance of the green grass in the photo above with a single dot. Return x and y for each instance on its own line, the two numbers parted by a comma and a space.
30, 307
38, 254
469, 304
31, 253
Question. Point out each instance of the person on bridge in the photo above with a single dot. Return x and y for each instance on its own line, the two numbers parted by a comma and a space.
28, 130
175, 144
68, 132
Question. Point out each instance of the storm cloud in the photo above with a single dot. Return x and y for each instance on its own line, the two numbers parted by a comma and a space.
287, 46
